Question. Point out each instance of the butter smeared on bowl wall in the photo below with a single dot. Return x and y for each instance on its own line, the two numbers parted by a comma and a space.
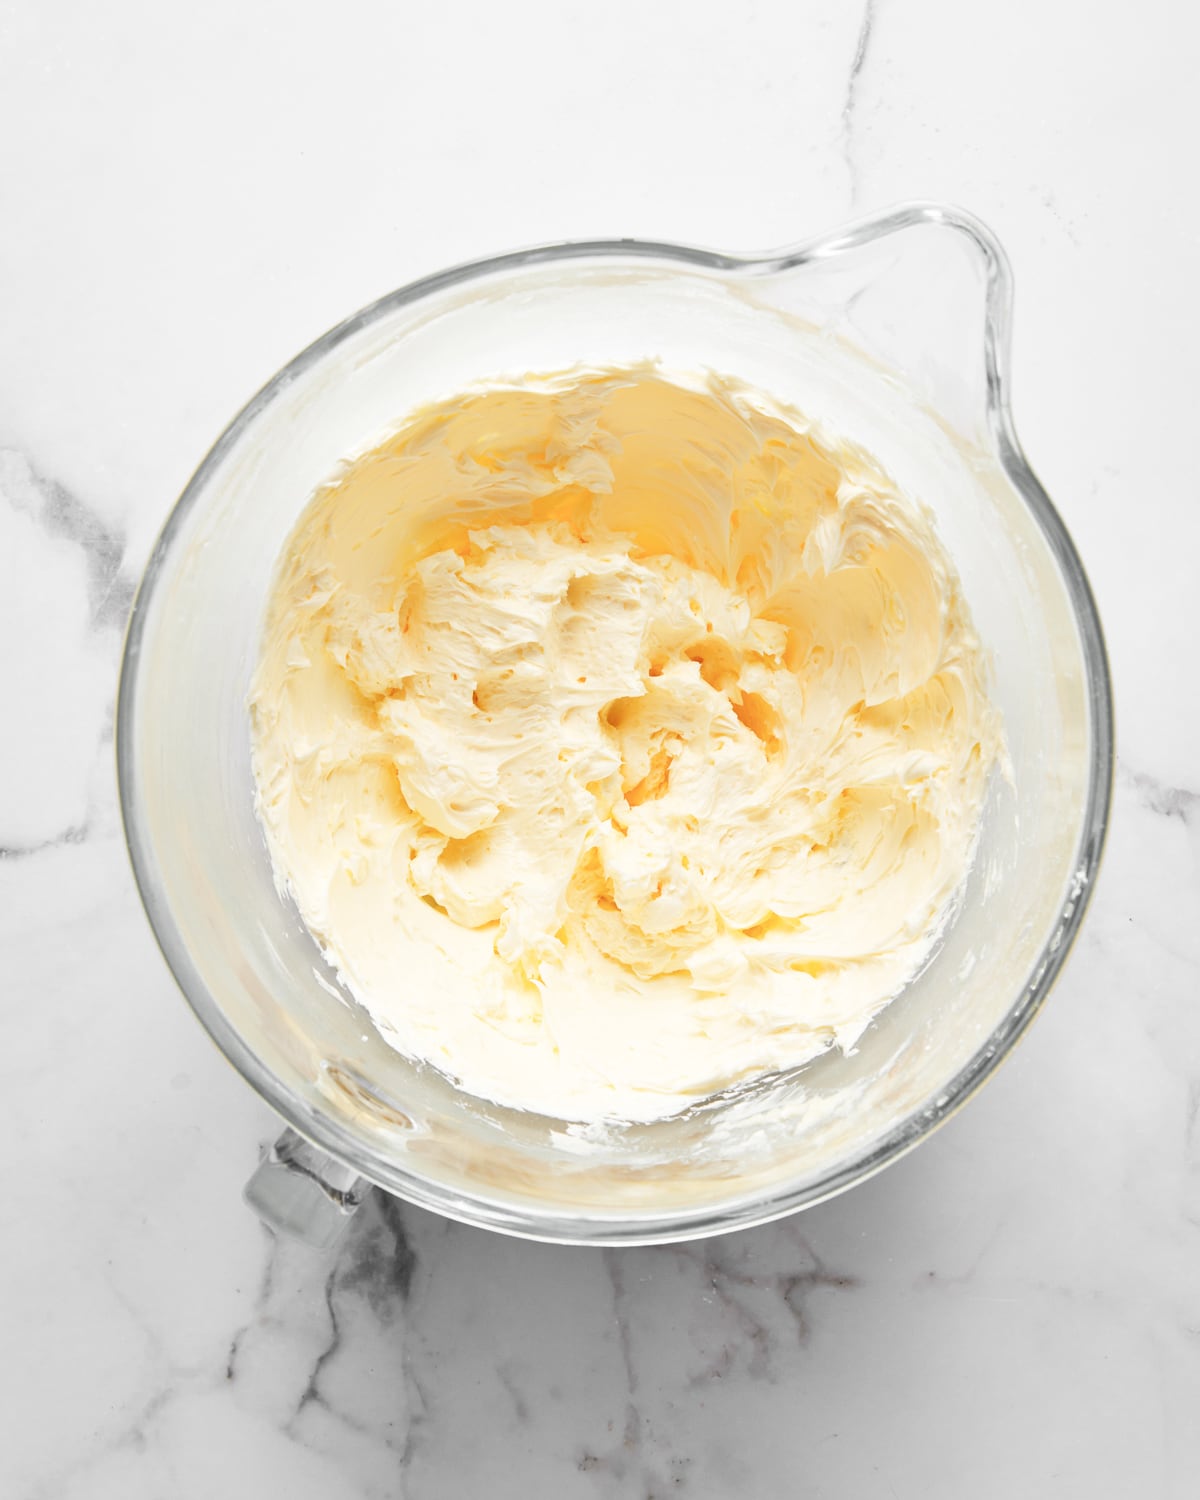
619, 739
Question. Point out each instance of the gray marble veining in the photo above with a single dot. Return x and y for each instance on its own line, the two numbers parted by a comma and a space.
1012, 1310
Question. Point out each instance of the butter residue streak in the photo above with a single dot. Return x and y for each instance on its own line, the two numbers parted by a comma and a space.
619, 740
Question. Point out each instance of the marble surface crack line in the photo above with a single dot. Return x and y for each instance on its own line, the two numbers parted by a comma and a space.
795, 1291
632, 1435
756, 1333
312, 1391
850, 103
936, 1278
507, 1379
335, 1286
381, 1262
1158, 796
403, 1263
133, 1436
418, 1412
59, 512
258, 1308
729, 1286
169, 1381
76, 834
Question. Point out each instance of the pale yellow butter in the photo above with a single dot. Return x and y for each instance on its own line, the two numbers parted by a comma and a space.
619, 740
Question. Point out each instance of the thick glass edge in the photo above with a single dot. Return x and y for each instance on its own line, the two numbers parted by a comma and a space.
643, 1229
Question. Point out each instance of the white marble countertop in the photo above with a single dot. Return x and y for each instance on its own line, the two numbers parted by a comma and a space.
187, 196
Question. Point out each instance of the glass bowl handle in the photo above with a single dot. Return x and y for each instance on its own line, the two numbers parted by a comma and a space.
300, 1191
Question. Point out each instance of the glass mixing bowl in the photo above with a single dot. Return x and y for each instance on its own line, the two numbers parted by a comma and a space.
893, 332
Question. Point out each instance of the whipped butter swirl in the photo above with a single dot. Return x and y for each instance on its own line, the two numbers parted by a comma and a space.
619, 740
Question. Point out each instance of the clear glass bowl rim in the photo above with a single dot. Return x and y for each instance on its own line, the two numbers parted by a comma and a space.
647, 1226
